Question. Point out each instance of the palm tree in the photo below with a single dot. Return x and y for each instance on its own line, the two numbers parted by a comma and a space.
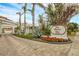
25, 9
19, 13
60, 14
33, 16
44, 28
41, 22
33, 13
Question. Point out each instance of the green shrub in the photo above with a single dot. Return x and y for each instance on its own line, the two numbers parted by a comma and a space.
27, 36
37, 33
72, 28
46, 31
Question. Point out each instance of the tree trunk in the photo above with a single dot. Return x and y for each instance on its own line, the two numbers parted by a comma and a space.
20, 23
33, 18
25, 19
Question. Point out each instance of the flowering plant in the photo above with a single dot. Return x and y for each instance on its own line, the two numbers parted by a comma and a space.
53, 39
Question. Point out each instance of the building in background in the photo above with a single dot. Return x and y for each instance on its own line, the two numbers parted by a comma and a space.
7, 26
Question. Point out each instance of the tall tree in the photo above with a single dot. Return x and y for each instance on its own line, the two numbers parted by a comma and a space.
33, 13
19, 13
25, 9
33, 16
60, 14
41, 22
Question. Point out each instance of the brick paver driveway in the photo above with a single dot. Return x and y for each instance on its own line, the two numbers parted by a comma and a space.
11, 45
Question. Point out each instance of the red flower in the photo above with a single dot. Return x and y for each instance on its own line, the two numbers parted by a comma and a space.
48, 38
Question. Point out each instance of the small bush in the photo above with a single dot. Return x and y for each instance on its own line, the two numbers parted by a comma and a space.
37, 33
46, 31
72, 28
29, 36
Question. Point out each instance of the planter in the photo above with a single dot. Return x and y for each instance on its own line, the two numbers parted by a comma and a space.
55, 40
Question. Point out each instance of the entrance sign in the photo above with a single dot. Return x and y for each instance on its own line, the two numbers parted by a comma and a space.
59, 31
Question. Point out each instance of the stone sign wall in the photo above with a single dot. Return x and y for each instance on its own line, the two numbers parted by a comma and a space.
59, 31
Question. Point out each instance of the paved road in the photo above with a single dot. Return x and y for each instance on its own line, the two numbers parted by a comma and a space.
11, 45
14, 46
74, 51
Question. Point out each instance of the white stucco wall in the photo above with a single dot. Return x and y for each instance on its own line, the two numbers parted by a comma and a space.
6, 24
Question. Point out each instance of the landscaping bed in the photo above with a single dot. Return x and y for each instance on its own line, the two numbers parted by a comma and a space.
55, 40
30, 37
46, 39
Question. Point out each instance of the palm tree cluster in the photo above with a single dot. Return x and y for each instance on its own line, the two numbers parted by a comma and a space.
57, 14
33, 16
20, 14
33, 13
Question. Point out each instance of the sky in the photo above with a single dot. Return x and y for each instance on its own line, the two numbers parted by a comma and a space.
9, 10
75, 19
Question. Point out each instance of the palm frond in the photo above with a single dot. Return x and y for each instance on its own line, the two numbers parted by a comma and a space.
41, 5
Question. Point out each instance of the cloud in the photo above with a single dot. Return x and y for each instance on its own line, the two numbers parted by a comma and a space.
11, 17
45, 4
10, 12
